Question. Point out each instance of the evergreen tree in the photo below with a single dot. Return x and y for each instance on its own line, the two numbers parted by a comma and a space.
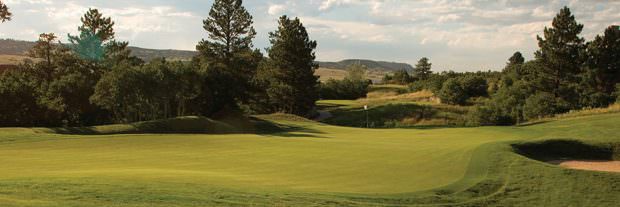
516, 59
95, 31
44, 48
401, 77
227, 54
96, 24
5, 14
559, 54
293, 87
422, 69
602, 69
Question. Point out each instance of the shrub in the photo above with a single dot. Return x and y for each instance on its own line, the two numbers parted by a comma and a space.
474, 86
540, 105
346, 89
452, 92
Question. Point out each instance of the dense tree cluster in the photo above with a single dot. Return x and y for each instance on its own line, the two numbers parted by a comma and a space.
94, 79
355, 85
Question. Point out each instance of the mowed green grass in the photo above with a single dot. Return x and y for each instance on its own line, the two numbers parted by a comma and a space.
313, 164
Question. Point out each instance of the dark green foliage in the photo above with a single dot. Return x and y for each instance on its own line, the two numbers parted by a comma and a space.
602, 69
474, 86
458, 90
452, 92
401, 77
346, 89
422, 70
87, 46
516, 59
540, 105
18, 100
353, 86
117, 52
94, 23
227, 55
560, 55
95, 31
5, 14
154, 91
383, 116
288, 74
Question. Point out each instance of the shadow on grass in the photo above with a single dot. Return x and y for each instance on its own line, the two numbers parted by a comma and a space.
561, 149
383, 116
195, 125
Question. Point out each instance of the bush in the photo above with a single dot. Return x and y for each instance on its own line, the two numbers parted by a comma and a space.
346, 89
540, 105
474, 86
452, 92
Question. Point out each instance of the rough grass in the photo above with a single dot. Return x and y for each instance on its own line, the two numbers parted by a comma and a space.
14, 59
310, 164
614, 108
338, 74
390, 106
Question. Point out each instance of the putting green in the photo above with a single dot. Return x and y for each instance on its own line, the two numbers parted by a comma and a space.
316, 159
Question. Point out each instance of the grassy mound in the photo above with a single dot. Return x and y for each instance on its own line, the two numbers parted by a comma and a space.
188, 124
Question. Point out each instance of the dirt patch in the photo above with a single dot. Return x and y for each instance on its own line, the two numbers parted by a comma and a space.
595, 165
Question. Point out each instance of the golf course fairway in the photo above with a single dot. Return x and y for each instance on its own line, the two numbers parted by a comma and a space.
309, 164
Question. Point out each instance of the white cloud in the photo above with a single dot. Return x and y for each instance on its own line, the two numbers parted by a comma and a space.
328, 4
448, 18
276, 9
348, 30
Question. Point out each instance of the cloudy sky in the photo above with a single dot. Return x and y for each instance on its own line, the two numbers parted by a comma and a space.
455, 35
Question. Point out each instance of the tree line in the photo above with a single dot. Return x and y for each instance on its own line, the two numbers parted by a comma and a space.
567, 73
94, 79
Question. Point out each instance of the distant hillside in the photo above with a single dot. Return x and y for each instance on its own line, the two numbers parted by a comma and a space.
19, 47
370, 64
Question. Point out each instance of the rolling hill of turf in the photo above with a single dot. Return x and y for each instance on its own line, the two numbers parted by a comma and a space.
308, 164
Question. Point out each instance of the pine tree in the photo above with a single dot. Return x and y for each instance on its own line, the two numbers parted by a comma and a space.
559, 54
293, 87
516, 59
602, 68
95, 31
227, 55
422, 69
94, 22
5, 14
44, 48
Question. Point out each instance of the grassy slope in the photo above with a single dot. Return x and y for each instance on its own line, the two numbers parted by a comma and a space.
391, 106
314, 164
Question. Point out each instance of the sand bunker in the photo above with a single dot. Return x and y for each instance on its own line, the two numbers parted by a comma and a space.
595, 165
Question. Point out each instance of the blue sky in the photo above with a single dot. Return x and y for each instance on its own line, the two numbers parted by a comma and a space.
465, 35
